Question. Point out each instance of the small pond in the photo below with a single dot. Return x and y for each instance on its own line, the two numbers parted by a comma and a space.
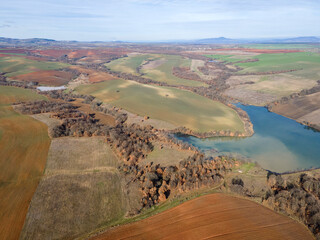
44, 88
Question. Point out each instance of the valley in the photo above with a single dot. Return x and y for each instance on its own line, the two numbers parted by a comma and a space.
107, 160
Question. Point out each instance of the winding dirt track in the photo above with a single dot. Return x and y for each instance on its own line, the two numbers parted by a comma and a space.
215, 216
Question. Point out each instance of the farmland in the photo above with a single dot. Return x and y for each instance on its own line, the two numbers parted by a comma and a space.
101, 171
178, 107
13, 94
213, 216
273, 76
157, 67
228, 58
305, 108
49, 78
80, 190
301, 61
14, 66
24, 149
94, 76
129, 64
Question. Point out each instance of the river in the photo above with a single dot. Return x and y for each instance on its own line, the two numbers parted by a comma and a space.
279, 144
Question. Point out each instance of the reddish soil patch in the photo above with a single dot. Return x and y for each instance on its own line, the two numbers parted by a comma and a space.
5, 55
56, 53
258, 50
79, 53
94, 76
215, 216
51, 77
9, 50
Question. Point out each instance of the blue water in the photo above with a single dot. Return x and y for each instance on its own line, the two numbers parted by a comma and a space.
279, 143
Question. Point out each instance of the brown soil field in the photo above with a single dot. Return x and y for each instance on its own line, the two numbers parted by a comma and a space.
5, 55
94, 76
215, 216
24, 148
305, 108
51, 77
12, 50
78, 53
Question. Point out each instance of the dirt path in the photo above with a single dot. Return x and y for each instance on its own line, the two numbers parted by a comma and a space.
215, 216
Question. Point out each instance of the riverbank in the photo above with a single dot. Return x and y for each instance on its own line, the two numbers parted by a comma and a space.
279, 144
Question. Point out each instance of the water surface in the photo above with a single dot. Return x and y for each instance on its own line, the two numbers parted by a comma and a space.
44, 88
279, 144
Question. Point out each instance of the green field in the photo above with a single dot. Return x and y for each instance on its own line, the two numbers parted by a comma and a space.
129, 64
24, 145
10, 94
14, 66
163, 73
178, 107
228, 58
160, 72
308, 62
281, 46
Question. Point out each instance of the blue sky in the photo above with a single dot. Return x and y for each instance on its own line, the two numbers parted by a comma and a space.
150, 20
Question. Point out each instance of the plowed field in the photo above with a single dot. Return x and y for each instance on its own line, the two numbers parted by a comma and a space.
215, 216
51, 78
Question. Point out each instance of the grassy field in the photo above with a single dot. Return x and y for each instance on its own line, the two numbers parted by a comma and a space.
281, 46
81, 190
130, 64
159, 68
12, 94
308, 62
14, 66
217, 216
24, 145
163, 73
228, 58
181, 108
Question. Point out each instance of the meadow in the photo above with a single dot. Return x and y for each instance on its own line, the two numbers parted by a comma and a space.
130, 64
178, 107
159, 68
14, 65
24, 145
281, 46
305, 62
228, 58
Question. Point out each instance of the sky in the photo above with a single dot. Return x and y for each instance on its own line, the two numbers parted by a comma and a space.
158, 20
